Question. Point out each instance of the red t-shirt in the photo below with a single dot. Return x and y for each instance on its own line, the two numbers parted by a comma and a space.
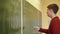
54, 27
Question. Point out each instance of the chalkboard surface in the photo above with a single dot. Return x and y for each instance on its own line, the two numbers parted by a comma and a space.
32, 17
10, 13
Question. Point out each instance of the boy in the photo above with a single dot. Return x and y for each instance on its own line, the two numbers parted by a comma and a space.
54, 27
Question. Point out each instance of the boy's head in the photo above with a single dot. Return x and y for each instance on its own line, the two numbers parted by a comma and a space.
52, 9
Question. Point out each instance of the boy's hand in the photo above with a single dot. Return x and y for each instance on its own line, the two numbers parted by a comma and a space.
36, 28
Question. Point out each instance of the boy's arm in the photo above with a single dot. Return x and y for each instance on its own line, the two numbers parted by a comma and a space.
40, 29
43, 30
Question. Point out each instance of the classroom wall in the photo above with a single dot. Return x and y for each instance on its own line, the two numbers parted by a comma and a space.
35, 3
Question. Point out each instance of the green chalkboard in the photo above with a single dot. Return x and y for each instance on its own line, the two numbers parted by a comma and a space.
10, 13
31, 17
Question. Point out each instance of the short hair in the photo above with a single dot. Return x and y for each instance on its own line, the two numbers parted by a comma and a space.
54, 7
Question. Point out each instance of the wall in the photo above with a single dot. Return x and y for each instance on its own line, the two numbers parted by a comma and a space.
35, 3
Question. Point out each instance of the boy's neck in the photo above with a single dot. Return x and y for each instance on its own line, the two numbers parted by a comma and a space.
53, 16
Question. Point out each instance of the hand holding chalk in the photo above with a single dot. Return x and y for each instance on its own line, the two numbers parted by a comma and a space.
36, 28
